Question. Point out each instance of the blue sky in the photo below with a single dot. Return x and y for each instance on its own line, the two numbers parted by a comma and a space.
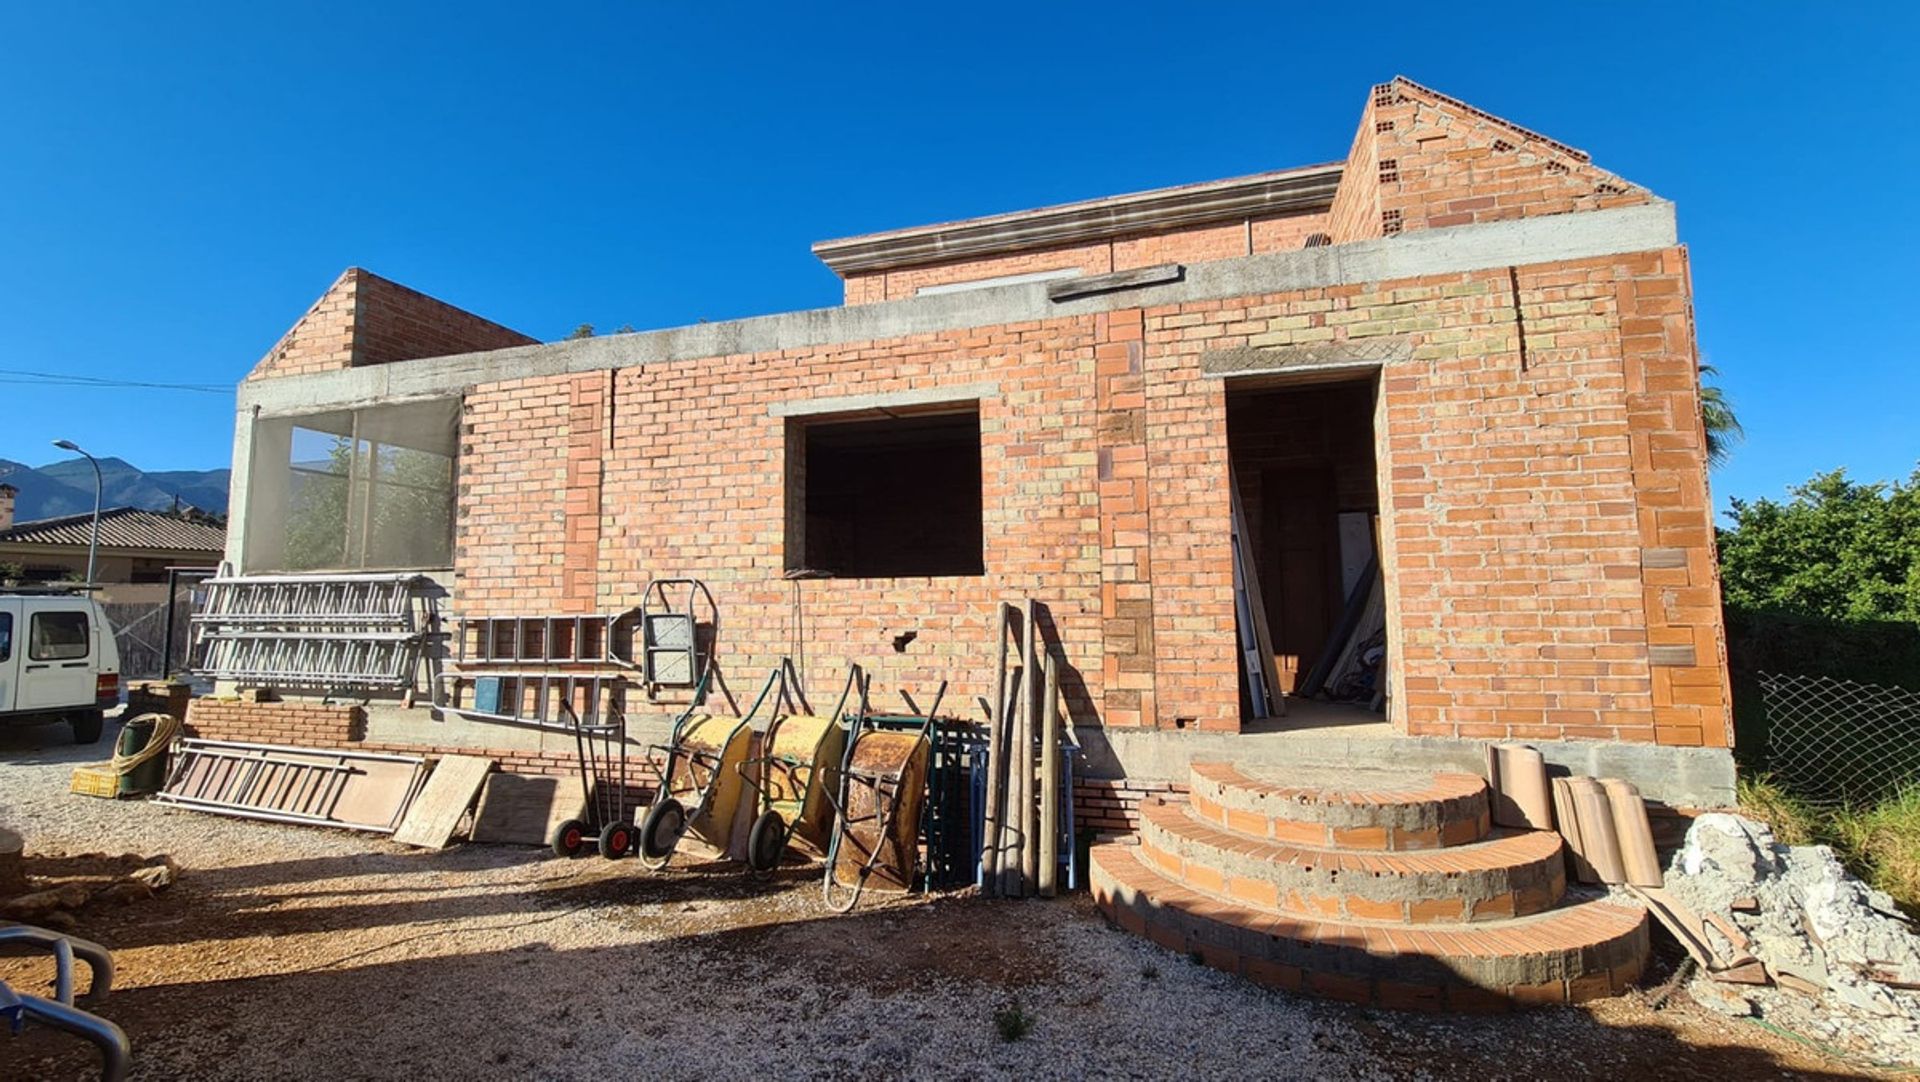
178, 182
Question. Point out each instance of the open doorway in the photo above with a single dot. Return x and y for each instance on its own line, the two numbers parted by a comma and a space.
1303, 462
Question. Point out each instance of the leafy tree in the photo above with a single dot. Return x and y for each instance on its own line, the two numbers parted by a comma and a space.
317, 513
1716, 411
411, 514
1837, 550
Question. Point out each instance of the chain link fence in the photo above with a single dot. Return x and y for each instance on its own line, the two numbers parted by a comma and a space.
1840, 743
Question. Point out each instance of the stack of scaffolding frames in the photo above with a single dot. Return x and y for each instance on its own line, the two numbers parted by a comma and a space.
314, 631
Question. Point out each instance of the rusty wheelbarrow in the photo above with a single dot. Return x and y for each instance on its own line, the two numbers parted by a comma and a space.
883, 790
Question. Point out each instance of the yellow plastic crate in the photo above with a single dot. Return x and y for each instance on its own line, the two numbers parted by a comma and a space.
96, 779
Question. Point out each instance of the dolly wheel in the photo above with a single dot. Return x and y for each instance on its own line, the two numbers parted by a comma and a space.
616, 840
569, 838
660, 833
766, 842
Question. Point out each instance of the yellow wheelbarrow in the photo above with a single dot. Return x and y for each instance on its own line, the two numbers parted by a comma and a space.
883, 789
796, 778
700, 782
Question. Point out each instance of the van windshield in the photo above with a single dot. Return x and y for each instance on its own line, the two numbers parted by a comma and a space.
57, 636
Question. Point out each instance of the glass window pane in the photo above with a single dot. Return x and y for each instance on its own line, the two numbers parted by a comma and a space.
367, 489
58, 636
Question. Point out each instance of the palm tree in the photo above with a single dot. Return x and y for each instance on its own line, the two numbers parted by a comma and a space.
1716, 412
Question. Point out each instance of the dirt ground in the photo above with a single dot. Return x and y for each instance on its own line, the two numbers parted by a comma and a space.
291, 952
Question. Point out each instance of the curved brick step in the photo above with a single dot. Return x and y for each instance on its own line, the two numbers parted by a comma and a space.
1508, 875
1443, 810
1568, 955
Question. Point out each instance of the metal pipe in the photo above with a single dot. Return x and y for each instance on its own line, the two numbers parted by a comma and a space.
109, 1038
64, 949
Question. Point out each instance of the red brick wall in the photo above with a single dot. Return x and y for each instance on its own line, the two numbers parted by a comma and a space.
1113, 806
1680, 574
695, 485
1422, 160
321, 340
303, 723
395, 323
1194, 245
1355, 214
364, 319
1518, 495
510, 541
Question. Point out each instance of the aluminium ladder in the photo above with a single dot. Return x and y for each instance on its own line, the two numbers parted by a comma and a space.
288, 785
319, 631
534, 699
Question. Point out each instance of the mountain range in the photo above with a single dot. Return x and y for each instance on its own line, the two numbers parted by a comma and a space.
66, 488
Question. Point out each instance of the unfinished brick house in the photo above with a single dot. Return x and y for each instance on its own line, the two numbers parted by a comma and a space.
1465, 338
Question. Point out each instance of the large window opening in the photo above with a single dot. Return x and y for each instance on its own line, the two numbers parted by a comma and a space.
1303, 461
352, 490
885, 498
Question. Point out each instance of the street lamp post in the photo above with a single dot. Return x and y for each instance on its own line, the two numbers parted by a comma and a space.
93, 541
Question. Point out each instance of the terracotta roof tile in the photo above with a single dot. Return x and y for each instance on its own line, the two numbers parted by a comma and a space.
120, 527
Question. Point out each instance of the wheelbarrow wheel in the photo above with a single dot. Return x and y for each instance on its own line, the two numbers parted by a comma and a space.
661, 831
616, 840
569, 838
766, 842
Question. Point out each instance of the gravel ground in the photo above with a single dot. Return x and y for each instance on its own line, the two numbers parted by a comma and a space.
289, 952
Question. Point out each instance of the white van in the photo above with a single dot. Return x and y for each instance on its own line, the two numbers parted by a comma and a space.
58, 661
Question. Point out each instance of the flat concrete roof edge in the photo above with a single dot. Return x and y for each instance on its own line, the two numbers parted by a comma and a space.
1088, 221
1460, 249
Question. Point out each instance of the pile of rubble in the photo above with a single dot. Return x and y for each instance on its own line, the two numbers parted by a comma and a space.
1844, 962
49, 889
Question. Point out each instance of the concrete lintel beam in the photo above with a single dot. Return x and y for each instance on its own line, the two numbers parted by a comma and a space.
906, 401
1368, 353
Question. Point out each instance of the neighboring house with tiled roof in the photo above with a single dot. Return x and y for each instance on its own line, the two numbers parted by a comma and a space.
136, 546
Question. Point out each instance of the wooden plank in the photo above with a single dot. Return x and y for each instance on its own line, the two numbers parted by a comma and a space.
1050, 782
996, 762
1254, 636
1262, 631
519, 810
450, 790
1023, 760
